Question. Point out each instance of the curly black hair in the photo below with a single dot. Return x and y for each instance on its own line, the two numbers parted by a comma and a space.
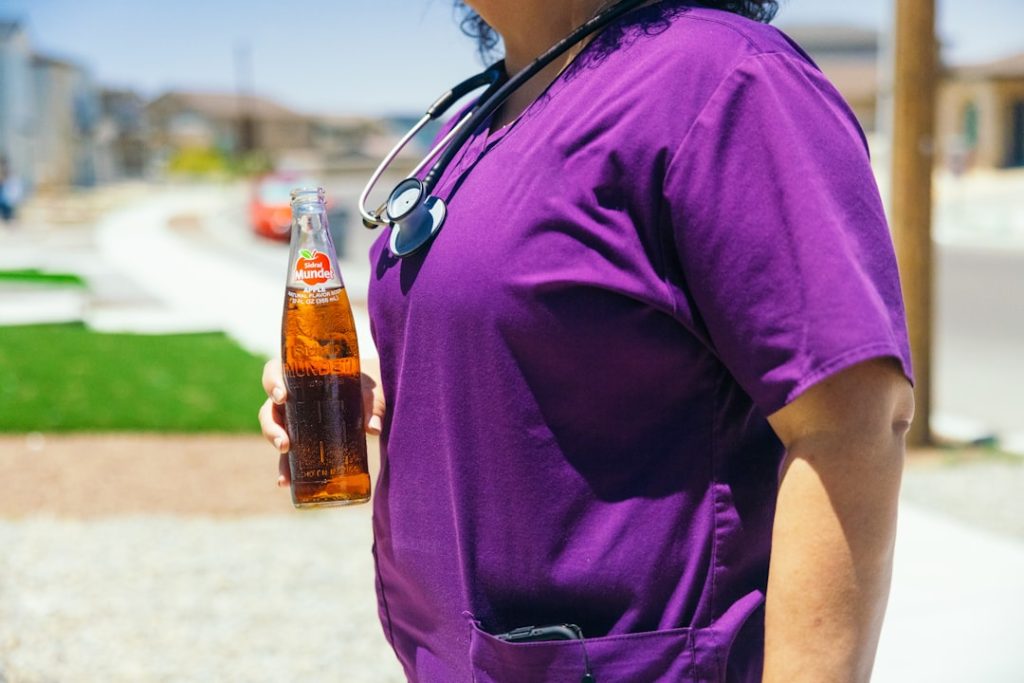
487, 40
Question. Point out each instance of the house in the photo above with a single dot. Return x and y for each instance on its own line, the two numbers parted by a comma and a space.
230, 123
981, 115
339, 137
16, 111
48, 114
66, 112
122, 135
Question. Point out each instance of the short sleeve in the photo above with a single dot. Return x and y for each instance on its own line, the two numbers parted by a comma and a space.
785, 255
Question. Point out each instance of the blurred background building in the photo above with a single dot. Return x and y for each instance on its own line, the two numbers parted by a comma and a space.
60, 128
981, 106
981, 114
16, 102
65, 109
227, 122
123, 135
849, 57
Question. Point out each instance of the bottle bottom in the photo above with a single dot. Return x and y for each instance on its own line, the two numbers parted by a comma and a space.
336, 492
331, 503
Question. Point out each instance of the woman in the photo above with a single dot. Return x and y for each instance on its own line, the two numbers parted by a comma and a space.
659, 336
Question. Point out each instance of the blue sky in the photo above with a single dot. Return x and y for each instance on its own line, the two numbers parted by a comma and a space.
368, 55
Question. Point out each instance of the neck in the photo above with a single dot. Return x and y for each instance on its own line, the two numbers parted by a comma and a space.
529, 27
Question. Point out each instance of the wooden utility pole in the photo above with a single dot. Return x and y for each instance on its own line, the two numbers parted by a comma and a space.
913, 144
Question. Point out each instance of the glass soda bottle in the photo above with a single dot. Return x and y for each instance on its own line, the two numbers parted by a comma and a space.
320, 359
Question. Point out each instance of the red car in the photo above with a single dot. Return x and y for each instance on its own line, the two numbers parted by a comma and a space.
270, 212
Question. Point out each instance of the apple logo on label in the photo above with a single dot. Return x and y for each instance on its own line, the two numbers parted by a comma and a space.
313, 267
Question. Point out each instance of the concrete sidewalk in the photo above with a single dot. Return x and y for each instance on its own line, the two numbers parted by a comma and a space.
956, 613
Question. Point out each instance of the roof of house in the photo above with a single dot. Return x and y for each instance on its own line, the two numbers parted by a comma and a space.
857, 80
833, 38
347, 121
1011, 66
9, 28
221, 105
50, 61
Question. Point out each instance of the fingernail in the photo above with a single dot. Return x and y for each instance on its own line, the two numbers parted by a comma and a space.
278, 441
374, 423
278, 394
280, 480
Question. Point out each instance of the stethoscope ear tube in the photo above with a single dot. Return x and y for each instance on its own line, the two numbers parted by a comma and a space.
493, 76
492, 103
422, 214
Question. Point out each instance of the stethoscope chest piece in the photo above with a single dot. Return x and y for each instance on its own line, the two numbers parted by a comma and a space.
414, 217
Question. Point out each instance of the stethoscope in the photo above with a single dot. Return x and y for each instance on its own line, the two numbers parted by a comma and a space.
414, 213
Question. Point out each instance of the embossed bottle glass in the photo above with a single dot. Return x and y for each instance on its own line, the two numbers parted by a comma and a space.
320, 359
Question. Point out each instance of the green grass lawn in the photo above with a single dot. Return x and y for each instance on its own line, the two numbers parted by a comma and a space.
67, 378
37, 277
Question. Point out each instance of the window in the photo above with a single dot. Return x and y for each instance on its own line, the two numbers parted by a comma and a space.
970, 128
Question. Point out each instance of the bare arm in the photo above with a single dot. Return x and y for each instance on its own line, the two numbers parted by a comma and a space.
832, 543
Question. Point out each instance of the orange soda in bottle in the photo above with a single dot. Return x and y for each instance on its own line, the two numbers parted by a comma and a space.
320, 360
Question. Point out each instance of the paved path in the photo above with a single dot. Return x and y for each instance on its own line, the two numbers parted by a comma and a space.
956, 613
151, 267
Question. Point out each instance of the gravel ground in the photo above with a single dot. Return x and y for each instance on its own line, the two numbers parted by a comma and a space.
157, 598
149, 559
116, 566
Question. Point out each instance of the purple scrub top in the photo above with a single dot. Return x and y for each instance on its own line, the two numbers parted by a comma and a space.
676, 240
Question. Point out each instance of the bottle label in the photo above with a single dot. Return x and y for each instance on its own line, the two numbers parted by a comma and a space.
313, 267
323, 367
314, 297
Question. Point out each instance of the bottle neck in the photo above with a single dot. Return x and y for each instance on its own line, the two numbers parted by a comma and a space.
313, 261
309, 217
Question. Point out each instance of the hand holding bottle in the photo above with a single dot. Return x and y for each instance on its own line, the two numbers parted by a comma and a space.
271, 414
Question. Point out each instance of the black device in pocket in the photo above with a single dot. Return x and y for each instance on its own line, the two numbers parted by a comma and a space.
532, 634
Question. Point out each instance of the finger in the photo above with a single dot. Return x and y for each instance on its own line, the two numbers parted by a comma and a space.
284, 473
273, 381
376, 422
368, 385
272, 425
